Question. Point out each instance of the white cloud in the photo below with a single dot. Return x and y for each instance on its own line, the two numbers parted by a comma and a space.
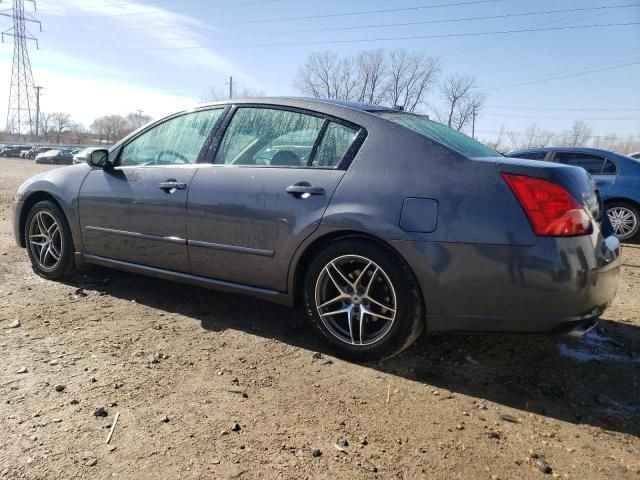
152, 25
91, 88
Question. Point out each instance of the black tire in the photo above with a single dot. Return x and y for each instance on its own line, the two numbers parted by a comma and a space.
409, 316
65, 265
625, 207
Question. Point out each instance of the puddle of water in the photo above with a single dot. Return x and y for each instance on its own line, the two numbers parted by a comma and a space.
594, 346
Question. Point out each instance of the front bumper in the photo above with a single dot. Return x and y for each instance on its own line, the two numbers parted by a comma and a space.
551, 286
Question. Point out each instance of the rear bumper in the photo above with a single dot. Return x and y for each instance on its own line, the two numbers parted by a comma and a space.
552, 286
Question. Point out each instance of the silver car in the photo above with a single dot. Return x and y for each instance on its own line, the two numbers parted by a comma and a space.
378, 223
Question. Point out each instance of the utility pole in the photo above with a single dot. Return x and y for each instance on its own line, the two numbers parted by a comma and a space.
38, 88
473, 123
230, 87
139, 112
22, 94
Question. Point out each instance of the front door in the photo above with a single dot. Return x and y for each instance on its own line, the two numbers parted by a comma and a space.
273, 177
136, 212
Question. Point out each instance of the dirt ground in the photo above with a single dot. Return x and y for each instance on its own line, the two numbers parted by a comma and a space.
212, 385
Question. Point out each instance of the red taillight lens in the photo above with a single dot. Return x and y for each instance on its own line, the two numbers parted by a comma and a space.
552, 211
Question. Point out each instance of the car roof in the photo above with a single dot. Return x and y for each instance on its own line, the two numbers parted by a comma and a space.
303, 102
595, 151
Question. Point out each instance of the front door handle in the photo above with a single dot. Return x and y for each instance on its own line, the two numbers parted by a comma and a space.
172, 185
303, 191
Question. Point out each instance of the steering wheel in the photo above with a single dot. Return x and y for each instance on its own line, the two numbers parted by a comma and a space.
162, 153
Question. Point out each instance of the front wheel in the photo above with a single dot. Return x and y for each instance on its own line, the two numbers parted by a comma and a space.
363, 299
48, 241
624, 219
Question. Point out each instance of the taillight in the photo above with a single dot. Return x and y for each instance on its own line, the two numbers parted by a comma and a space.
552, 211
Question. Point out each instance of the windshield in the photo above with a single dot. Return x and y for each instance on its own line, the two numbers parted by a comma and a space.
441, 133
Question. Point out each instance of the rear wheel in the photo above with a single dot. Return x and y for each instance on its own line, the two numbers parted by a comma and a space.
624, 219
363, 299
48, 241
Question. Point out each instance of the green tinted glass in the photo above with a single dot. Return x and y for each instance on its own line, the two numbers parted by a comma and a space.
174, 142
269, 137
442, 134
335, 143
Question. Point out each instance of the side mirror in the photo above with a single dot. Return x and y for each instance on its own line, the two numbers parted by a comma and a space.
99, 158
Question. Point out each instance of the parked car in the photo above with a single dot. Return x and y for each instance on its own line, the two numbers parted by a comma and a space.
81, 156
381, 224
31, 154
635, 155
617, 177
13, 150
55, 157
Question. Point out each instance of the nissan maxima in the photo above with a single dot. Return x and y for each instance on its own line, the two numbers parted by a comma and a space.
378, 223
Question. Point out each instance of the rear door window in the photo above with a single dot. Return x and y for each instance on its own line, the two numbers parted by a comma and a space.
591, 163
269, 137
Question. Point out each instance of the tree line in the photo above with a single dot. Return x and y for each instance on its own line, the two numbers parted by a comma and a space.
579, 135
60, 128
394, 78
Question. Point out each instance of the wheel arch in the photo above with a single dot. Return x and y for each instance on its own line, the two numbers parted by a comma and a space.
303, 259
630, 201
28, 204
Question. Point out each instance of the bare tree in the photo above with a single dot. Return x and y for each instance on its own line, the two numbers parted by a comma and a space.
212, 94
461, 100
45, 125
607, 142
372, 76
410, 77
137, 120
497, 143
317, 76
514, 139
110, 127
77, 133
60, 122
578, 136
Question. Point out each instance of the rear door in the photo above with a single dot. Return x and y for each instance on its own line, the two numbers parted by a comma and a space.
137, 211
274, 173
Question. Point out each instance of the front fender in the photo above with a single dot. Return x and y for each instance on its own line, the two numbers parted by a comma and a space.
62, 185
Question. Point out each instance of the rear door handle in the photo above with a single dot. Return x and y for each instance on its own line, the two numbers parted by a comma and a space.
300, 190
171, 186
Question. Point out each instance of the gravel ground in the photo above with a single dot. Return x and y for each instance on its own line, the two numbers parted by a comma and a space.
211, 385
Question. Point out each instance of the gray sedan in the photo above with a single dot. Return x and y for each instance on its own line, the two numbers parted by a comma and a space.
378, 223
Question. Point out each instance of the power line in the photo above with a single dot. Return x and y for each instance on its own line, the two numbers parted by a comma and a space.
565, 109
565, 75
626, 119
164, 12
302, 17
521, 134
361, 40
421, 22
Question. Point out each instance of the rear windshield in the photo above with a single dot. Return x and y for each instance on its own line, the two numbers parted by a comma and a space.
441, 133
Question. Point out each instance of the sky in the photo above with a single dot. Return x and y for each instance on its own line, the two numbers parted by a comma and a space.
99, 57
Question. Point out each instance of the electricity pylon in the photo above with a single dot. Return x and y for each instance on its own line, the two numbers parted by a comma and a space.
21, 111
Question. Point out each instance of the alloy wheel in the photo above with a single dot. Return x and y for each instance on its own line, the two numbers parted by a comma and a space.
45, 240
355, 300
623, 221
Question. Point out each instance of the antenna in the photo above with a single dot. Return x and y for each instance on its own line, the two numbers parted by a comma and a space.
21, 113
